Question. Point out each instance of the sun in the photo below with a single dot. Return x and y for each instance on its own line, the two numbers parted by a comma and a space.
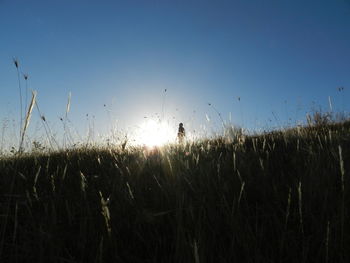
153, 133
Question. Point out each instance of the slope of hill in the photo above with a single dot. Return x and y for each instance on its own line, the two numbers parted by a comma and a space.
278, 197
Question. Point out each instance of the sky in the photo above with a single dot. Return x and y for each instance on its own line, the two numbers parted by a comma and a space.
259, 64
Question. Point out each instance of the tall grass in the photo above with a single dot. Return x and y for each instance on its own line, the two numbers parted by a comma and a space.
25, 114
16, 63
281, 196
277, 197
27, 120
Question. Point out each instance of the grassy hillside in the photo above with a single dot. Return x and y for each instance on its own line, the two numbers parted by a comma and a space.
278, 197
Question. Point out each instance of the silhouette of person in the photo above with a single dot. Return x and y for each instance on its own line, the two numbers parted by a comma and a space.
181, 133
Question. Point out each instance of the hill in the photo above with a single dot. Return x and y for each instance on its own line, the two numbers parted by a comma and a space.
277, 197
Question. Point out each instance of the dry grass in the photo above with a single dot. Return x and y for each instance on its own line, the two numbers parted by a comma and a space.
277, 197
27, 120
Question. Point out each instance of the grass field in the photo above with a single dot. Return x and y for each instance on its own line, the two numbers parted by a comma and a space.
278, 197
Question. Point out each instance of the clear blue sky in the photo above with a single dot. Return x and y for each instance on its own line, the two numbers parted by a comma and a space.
276, 55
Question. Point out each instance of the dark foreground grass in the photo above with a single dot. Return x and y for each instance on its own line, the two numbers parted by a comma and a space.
279, 197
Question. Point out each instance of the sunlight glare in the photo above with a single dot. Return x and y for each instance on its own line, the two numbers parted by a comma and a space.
154, 133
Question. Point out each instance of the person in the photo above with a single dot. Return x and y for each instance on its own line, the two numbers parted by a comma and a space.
181, 133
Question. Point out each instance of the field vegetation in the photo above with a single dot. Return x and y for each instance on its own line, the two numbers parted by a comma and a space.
281, 196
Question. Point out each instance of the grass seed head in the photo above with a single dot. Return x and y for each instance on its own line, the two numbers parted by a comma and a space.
16, 62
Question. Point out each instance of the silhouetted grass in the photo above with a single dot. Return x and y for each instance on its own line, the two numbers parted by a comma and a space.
277, 197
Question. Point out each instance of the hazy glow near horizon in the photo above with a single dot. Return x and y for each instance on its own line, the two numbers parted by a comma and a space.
154, 133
